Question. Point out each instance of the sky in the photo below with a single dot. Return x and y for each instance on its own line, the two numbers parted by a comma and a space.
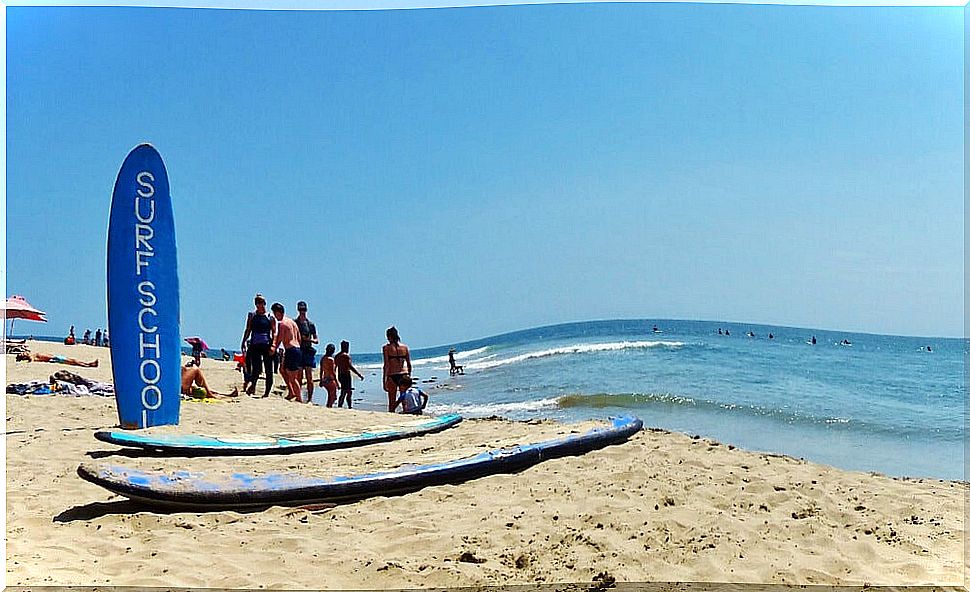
471, 171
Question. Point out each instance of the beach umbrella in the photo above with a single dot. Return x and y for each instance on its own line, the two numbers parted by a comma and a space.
197, 341
17, 307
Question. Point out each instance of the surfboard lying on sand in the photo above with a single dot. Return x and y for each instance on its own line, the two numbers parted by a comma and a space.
187, 490
197, 444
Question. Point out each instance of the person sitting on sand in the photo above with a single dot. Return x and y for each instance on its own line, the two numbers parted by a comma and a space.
194, 385
413, 399
28, 357
397, 365
328, 374
344, 367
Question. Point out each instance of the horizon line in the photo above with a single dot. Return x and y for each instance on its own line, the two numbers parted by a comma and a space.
566, 323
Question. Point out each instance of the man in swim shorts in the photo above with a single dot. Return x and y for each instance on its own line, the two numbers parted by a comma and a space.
288, 335
308, 337
194, 385
27, 357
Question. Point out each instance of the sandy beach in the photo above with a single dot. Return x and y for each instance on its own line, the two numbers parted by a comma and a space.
662, 507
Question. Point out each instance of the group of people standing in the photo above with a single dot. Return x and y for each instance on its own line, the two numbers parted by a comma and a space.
87, 339
276, 340
272, 339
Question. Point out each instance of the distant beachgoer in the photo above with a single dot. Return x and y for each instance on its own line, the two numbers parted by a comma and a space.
194, 385
225, 355
397, 365
727, 331
771, 335
328, 374
750, 334
106, 342
814, 341
656, 329
86, 339
27, 357
929, 348
197, 352
719, 332
70, 339
455, 368
344, 368
288, 336
97, 338
413, 399
308, 337
257, 346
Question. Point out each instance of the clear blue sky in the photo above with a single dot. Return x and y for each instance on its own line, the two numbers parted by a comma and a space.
466, 172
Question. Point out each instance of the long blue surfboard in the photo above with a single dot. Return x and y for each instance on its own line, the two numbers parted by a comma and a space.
195, 491
143, 293
197, 444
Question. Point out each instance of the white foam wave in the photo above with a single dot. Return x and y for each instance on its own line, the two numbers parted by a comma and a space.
443, 360
486, 409
582, 348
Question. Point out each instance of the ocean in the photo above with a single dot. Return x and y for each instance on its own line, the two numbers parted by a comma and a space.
881, 403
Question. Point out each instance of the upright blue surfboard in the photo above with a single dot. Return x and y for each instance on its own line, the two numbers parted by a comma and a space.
143, 293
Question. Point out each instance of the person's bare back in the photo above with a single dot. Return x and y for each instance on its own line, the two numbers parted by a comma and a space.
289, 333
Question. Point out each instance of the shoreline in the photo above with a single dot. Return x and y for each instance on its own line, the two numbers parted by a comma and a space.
664, 506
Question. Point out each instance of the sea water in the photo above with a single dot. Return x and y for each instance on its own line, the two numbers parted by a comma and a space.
887, 404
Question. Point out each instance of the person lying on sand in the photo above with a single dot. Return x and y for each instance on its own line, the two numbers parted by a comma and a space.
27, 357
194, 385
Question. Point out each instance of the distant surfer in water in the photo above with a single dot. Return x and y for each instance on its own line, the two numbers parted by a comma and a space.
397, 365
455, 368
194, 385
344, 367
26, 357
814, 341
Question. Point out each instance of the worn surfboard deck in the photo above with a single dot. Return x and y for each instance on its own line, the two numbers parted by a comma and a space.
196, 491
200, 444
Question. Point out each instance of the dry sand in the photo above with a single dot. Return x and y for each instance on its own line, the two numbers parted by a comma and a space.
661, 507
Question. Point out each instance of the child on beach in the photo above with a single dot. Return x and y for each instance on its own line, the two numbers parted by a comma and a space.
344, 368
413, 399
328, 374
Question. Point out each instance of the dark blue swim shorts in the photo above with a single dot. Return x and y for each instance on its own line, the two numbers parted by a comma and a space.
309, 357
293, 358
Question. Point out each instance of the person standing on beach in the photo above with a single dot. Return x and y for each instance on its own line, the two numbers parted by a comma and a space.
97, 338
308, 337
257, 339
288, 336
397, 357
328, 374
344, 368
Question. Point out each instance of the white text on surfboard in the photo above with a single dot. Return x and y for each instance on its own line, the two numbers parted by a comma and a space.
149, 350
143, 230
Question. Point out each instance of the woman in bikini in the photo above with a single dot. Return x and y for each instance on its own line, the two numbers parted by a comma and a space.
328, 374
397, 357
